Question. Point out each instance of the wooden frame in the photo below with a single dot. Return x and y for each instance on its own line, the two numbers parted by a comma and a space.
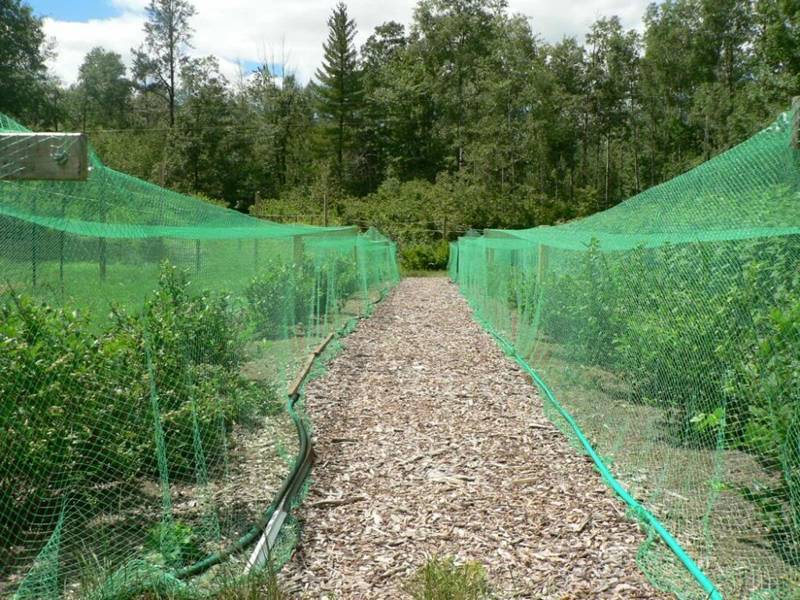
44, 156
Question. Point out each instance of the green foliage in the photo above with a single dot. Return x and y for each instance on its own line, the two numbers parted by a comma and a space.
23, 52
431, 256
314, 287
772, 382
711, 339
63, 405
177, 543
270, 296
103, 94
75, 390
443, 579
532, 133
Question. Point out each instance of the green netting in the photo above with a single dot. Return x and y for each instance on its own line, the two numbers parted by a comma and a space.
147, 340
666, 334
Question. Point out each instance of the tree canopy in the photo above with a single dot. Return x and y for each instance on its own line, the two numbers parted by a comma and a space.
466, 105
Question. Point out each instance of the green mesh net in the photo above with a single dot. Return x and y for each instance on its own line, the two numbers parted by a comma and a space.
147, 340
666, 334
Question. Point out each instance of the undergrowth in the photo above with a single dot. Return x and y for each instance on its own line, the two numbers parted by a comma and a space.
441, 578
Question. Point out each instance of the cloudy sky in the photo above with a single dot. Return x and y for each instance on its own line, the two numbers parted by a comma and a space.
245, 33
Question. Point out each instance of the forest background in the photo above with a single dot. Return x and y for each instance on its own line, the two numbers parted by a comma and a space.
461, 119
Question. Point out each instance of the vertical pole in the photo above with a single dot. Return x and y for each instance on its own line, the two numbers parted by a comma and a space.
796, 123
297, 251
542, 266
33, 246
103, 260
61, 238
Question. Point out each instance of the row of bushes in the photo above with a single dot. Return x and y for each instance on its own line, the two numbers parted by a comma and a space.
710, 334
425, 256
287, 295
82, 407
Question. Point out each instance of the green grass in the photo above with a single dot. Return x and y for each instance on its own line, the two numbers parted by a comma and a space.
444, 579
259, 586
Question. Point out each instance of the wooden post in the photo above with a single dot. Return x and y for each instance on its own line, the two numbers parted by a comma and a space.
33, 246
61, 239
542, 266
103, 259
796, 123
298, 250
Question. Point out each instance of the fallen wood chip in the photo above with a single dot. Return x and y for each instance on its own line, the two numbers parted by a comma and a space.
330, 502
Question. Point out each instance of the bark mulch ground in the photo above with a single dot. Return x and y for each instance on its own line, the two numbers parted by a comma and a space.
430, 441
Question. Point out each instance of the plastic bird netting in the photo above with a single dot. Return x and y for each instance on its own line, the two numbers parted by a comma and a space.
665, 334
147, 340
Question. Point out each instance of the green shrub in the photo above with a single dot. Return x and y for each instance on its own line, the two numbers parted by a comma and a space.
772, 430
68, 396
285, 294
177, 543
430, 256
443, 579
195, 345
708, 335
77, 407
271, 304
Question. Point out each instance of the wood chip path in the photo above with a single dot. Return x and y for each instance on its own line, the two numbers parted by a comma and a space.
430, 441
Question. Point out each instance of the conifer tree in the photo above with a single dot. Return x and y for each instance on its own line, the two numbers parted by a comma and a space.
338, 87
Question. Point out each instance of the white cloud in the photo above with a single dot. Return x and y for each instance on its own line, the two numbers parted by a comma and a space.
74, 39
554, 20
239, 31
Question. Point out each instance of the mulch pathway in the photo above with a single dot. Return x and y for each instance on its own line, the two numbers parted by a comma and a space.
430, 441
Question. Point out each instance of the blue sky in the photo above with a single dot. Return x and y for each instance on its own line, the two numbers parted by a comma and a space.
246, 33
81, 10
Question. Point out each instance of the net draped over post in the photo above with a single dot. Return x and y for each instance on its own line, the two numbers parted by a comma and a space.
147, 339
666, 333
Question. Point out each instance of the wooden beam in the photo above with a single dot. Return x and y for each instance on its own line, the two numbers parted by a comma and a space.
796, 123
44, 156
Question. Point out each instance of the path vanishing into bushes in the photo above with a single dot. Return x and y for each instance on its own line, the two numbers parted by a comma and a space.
430, 441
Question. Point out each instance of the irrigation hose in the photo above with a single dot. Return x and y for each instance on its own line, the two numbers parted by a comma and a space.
269, 525
641, 512
291, 486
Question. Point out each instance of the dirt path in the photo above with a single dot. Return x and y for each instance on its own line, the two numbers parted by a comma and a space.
430, 441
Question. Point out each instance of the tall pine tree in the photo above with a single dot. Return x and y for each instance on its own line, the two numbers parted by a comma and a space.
338, 87
160, 59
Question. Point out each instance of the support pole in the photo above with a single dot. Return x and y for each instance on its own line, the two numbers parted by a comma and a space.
33, 252
796, 123
297, 250
103, 258
61, 240
255, 256
542, 266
